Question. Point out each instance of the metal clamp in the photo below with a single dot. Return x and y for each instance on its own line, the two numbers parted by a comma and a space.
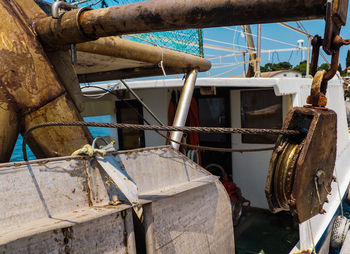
58, 5
320, 83
81, 31
336, 14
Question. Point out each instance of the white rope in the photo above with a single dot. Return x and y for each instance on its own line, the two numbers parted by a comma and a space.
318, 193
100, 95
312, 238
340, 198
160, 64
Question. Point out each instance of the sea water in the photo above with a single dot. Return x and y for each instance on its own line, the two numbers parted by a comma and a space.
17, 154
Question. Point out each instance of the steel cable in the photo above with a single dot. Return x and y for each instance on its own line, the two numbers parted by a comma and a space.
171, 128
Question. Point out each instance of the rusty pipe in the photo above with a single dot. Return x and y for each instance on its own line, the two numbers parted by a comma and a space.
121, 48
153, 16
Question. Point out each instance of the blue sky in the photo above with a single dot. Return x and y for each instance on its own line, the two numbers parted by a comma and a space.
272, 31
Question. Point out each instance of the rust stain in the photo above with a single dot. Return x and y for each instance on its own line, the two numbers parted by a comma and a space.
68, 237
27, 77
82, 216
303, 252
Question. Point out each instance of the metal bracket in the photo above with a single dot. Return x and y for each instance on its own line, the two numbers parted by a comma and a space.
336, 14
58, 5
319, 99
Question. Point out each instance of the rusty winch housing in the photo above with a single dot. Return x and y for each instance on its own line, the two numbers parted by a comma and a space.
301, 168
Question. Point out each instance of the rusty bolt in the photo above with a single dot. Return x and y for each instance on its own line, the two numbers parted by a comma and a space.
292, 202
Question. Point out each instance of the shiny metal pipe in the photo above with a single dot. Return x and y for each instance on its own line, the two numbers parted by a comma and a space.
258, 58
183, 107
309, 38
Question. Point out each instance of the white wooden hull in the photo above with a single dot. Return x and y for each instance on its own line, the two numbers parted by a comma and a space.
64, 206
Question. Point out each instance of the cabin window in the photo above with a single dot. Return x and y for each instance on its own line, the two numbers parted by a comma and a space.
212, 112
260, 109
130, 112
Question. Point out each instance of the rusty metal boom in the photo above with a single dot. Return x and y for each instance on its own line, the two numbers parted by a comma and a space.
153, 16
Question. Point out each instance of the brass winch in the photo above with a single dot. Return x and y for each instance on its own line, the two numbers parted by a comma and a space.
301, 168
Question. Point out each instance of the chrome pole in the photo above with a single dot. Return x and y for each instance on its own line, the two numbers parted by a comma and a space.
183, 107
258, 58
309, 38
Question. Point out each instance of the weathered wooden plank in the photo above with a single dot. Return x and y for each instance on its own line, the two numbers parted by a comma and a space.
164, 168
90, 230
190, 211
196, 221
39, 190
62, 205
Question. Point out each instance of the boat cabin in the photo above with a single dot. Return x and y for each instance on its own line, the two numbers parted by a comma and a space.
228, 102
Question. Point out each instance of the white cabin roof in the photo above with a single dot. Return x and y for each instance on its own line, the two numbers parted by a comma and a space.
282, 86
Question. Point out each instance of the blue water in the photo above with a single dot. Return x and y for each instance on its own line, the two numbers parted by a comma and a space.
17, 154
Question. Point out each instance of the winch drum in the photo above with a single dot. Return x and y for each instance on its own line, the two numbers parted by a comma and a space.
301, 168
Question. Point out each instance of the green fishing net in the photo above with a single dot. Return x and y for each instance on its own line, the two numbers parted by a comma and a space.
188, 41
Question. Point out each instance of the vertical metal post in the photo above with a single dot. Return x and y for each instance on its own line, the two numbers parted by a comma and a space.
183, 107
149, 229
258, 59
308, 56
251, 47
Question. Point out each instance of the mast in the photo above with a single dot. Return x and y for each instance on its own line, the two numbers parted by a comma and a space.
251, 47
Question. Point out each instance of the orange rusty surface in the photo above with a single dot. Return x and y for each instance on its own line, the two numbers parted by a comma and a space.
55, 141
30, 90
9, 128
317, 98
27, 77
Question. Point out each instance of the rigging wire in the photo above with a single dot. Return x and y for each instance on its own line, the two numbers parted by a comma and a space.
161, 128
220, 74
217, 149
303, 29
291, 54
108, 125
143, 104
228, 43
225, 65
263, 37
